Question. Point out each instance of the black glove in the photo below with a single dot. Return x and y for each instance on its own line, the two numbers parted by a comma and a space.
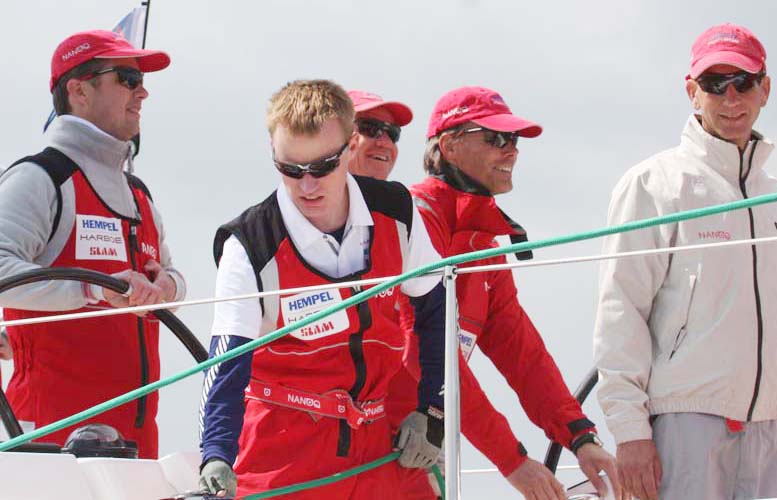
420, 438
217, 476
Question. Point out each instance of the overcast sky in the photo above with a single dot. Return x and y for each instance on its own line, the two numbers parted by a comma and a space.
604, 78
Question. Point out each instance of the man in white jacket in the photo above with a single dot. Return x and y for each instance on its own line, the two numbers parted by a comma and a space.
686, 344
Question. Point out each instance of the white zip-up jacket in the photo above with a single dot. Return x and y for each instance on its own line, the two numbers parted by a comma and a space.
693, 331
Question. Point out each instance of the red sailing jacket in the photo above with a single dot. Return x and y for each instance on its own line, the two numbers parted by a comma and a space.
63, 367
491, 317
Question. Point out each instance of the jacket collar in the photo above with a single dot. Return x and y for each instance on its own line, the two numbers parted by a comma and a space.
475, 209
86, 144
722, 156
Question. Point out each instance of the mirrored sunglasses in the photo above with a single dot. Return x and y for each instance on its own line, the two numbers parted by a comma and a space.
317, 169
128, 76
494, 138
374, 129
714, 83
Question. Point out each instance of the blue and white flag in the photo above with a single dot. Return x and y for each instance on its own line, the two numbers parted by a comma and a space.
131, 27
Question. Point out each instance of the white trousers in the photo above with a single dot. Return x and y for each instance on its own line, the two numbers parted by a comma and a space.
703, 460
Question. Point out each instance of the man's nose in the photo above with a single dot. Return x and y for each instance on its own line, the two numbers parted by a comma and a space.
308, 183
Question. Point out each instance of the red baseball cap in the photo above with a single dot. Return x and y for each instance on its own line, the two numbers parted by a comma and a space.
363, 101
480, 105
100, 44
727, 44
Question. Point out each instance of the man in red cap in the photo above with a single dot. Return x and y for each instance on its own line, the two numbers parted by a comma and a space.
72, 205
373, 151
470, 155
684, 343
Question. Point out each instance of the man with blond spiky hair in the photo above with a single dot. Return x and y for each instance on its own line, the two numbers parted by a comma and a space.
311, 404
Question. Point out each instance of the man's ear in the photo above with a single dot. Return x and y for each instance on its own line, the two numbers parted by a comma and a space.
766, 85
76, 93
448, 145
692, 88
353, 141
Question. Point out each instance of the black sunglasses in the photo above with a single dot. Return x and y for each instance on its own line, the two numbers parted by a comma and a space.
494, 138
128, 76
373, 128
317, 169
714, 83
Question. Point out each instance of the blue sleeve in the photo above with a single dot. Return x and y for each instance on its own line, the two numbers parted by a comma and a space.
430, 327
222, 404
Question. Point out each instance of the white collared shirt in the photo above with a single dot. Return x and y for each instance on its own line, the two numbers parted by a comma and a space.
235, 275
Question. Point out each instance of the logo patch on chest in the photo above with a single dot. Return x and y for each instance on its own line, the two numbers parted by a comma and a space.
298, 307
99, 238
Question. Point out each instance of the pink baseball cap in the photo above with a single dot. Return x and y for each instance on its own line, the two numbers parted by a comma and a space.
363, 101
99, 44
480, 105
727, 44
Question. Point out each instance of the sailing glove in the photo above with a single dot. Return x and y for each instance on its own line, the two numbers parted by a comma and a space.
420, 438
217, 476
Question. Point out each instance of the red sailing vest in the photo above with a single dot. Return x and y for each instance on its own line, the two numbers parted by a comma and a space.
357, 350
63, 367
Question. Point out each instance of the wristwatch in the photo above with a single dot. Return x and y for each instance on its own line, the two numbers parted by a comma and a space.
588, 437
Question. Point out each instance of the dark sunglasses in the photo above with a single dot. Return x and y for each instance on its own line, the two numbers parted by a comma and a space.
128, 76
494, 138
714, 83
373, 128
317, 169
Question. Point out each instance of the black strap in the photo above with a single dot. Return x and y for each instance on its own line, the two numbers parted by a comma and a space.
59, 168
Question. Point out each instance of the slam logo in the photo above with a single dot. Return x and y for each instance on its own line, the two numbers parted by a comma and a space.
297, 307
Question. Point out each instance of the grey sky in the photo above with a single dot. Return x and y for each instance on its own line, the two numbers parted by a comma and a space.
604, 78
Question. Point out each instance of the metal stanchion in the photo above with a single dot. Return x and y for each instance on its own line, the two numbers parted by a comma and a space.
452, 414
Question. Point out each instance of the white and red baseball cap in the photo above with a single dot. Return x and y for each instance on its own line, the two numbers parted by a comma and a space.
727, 44
482, 106
100, 44
364, 101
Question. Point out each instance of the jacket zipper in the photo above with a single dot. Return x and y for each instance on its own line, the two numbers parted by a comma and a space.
356, 348
759, 369
140, 418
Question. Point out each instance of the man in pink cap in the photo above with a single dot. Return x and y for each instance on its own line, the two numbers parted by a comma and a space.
72, 205
685, 342
373, 150
470, 155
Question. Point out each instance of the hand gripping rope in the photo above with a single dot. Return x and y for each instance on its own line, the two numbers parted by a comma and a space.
175, 325
366, 294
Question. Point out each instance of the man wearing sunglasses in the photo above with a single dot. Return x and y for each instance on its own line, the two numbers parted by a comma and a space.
312, 403
684, 342
72, 205
470, 155
372, 151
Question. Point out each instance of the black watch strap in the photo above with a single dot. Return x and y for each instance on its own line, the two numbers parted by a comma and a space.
579, 441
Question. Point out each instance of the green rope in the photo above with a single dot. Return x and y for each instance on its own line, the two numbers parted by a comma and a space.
325, 480
362, 296
314, 483
440, 480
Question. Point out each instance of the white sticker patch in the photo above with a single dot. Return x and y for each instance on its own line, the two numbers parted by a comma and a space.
99, 238
300, 306
467, 341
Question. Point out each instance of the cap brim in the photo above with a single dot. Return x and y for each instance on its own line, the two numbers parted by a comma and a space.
402, 113
148, 60
733, 58
510, 123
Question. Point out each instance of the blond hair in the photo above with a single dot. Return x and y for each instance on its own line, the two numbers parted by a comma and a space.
302, 106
